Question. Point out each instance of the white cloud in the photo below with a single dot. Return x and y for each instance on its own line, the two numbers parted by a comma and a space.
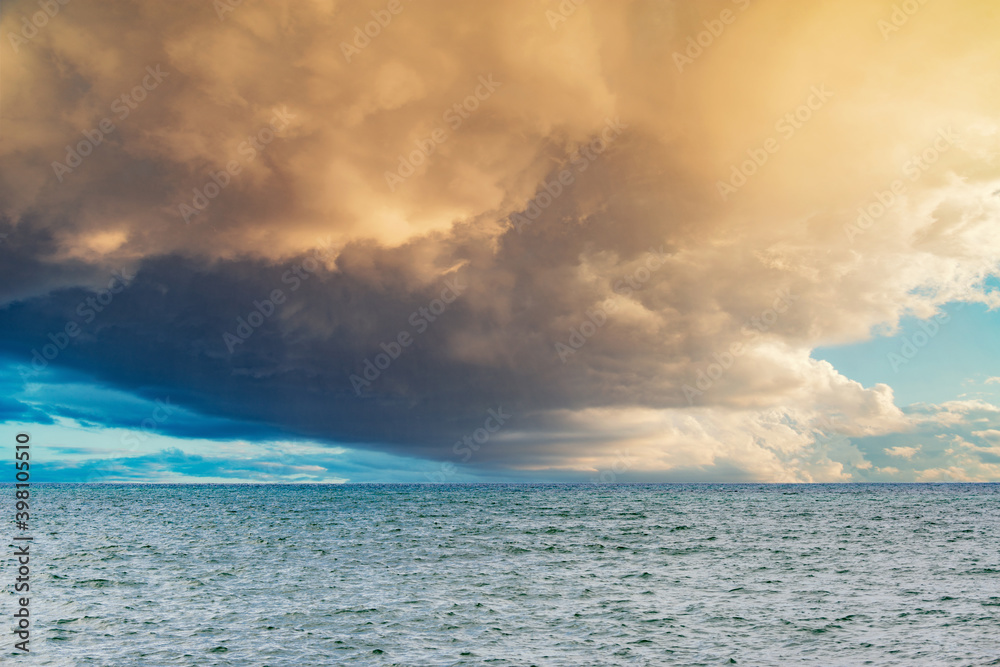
904, 452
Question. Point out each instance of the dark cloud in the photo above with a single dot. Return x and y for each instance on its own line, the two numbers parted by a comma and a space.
638, 307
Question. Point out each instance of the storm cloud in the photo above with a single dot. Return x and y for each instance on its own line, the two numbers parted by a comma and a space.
484, 206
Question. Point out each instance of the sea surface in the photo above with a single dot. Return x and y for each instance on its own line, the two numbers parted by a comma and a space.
570, 575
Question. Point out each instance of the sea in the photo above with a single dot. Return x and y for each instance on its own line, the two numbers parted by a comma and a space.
574, 575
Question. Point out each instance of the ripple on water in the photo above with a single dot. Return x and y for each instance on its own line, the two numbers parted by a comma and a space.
518, 575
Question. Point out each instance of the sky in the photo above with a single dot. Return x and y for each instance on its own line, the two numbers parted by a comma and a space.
531, 241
